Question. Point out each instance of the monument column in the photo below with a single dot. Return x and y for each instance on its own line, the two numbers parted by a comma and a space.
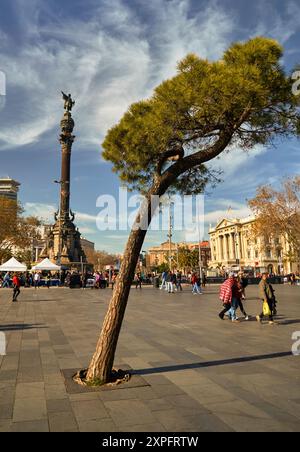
66, 141
64, 239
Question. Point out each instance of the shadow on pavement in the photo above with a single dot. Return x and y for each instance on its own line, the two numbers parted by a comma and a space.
21, 326
221, 362
288, 322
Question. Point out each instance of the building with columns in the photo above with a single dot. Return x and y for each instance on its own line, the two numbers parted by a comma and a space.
158, 255
233, 248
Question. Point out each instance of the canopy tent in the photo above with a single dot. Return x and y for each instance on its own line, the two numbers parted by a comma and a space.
47, 265
13, 266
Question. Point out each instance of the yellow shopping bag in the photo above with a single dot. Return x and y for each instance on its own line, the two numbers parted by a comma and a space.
266, 309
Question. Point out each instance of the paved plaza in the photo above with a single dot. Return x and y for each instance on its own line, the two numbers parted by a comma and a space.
193, 371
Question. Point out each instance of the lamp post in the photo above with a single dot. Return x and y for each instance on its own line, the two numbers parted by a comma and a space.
170, 235
59, 223
144, 259
237, 248
200, 240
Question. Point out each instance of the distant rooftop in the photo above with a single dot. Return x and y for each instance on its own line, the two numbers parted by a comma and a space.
7, 179
9, 188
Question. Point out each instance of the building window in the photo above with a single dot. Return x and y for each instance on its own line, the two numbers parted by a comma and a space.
249, 254
268, 254
256, 254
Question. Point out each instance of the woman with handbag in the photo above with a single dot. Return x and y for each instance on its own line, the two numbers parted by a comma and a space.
266, 295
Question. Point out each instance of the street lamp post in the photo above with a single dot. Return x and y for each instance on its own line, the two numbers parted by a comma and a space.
59, 224
199, 238
237, 248
145, 260
170, 234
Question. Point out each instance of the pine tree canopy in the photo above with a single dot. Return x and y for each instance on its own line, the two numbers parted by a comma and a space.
241, 100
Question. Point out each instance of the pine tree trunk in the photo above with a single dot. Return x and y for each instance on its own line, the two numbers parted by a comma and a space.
100, 368
101, 365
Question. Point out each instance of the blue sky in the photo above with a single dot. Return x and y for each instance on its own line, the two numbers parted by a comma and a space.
108, 54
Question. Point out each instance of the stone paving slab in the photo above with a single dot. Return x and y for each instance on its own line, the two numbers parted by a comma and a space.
192, 372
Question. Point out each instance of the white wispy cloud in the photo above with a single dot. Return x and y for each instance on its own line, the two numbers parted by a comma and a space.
234, 160
84, 217
46, 213
43, 211
236, 211
279, 24
106, 62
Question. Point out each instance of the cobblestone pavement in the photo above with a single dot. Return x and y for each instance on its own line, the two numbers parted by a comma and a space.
199, 373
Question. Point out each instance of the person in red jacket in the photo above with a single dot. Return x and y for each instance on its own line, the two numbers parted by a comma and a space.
16, 287
230, 294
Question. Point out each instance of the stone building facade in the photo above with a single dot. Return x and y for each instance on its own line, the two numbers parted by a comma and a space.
158, 255
234, 248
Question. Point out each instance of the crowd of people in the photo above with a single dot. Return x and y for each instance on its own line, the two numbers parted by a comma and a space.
172, 282
27, 279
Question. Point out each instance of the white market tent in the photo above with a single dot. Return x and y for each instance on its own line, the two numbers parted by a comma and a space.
46, 265
13, 266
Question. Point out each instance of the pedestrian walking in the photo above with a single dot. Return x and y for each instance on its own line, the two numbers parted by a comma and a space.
138, 280
36, 280
164, 281
274, 301
16, 287
174, 282
196, 285
266, 294
244, 282
236, 301
48, 280
6, 281
179, 281
229, 295
169, 281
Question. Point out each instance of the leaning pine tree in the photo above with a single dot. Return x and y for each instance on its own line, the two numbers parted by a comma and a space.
165, 142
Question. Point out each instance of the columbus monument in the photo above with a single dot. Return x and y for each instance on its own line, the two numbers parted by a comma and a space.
63, 244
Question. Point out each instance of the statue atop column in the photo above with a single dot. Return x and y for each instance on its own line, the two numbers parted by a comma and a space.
69, 102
